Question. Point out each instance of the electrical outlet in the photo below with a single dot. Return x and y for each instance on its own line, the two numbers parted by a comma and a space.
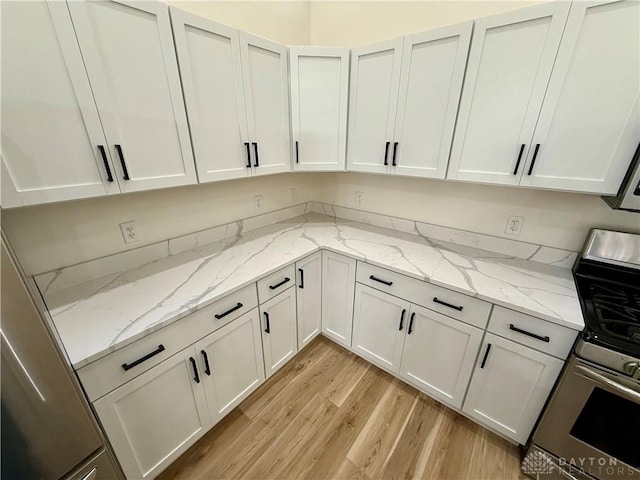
257, 202
359, 200
129, 232
514, 225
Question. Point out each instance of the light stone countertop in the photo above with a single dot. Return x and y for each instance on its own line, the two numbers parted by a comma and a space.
100, 316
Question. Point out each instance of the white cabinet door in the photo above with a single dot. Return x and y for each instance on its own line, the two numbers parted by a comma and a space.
279, 330
588, 128
439, 354
128, 51
155, 417
266, 88
509, 65
209, 59
309, 298
51, 132
510, 385
231, 365
433, 66
379, 323
338, 286
319, 89
373, 96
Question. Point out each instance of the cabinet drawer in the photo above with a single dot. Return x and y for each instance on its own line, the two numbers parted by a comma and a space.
108, 373
533, 332
442, 300
277, 282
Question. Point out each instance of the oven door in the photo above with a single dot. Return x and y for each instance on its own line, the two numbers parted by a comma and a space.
592, 422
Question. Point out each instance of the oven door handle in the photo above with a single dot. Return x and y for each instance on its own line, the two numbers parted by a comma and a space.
623, 391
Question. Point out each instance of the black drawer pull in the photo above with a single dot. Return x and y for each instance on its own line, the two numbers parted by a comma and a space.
125, 172
375, 279
386, 153
273, 287
129, 366
301, 278
402, 319
255, 149
455, 307
267, 327
106, 163
196, 377
410, 329
207, 370
246, 144
529, 334
297, 156
393, 160
486, 354
231, 310
515, 171
533, 160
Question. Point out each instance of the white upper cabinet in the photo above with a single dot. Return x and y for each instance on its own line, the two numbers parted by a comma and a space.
266, 89
375, 76
51, 132
432, 72
129, 55
319, 89
209, 59
509, 65
588, 127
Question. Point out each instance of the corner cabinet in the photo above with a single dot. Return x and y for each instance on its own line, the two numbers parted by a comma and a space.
309, 298
338, 286
319, 89
279, 330
403, 102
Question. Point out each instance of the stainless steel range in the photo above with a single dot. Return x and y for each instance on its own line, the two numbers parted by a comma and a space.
591, 426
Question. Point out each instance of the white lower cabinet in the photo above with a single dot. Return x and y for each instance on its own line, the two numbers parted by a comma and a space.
231, 364
509, 387
439, 354
379, 323
338, 284
309, 298
279, 330
155, 417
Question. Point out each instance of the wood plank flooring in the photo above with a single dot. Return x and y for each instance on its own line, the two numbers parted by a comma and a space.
328, 414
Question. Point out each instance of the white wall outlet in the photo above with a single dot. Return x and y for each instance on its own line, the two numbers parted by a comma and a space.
257, 202
514, 225
129, 231
359, 200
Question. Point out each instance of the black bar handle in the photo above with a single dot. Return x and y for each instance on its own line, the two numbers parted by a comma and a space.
393, 160
386, 153
455, 307
207, 370
410, 329
515, 171
267, 327
529, 334
123, 163
246, 144
255, 149
273, 287
375, 279
231, 310
106, 163
486, 354
297, 156
637, 190
301, 278
129, 366
196, 377
533, 160
404, 310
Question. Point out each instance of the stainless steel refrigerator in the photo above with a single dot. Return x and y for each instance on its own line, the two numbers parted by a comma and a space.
48, 430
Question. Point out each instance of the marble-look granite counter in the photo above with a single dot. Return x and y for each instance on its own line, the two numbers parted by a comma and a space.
107, 313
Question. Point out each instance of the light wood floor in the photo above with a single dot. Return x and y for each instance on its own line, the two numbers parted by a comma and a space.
330, 415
